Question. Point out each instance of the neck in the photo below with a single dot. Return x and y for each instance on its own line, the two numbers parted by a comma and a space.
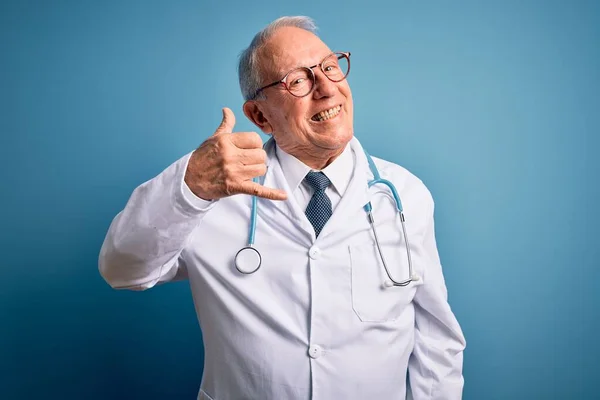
317, 159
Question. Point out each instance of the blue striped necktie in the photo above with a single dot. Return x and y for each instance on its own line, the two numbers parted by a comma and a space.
318, 210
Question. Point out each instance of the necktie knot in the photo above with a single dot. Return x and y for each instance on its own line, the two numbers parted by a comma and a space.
317, 180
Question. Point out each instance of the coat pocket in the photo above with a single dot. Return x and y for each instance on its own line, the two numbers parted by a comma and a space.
372, 301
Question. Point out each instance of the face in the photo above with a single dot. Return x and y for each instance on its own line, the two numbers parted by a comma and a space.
293, 121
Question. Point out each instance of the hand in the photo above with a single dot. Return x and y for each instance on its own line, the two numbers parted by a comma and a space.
226, 162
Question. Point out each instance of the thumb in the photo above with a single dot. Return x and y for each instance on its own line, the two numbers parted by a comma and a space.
227, 123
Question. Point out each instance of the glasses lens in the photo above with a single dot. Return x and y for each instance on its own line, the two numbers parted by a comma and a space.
336, 67
300, 81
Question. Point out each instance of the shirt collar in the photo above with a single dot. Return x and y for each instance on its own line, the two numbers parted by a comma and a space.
339, 171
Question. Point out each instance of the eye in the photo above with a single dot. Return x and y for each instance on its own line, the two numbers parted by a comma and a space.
297, 81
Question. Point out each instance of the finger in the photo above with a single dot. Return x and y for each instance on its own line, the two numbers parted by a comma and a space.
254, 189
247, 140
227, 123
252, 156
252, 171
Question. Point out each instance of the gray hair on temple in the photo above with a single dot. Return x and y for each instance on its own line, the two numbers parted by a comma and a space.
249, 69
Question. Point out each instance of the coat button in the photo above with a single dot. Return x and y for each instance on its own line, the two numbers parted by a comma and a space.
314, 252
315, 351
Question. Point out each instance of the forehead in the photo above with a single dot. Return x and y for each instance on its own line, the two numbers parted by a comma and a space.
289, 48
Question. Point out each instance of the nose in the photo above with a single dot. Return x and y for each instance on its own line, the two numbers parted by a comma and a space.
324, 87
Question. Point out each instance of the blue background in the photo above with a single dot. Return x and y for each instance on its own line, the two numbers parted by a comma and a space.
495, 105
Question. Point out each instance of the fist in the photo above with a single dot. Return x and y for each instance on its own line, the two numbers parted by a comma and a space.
226, 163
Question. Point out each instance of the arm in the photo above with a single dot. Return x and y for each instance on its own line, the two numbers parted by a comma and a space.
144, 241
435, 366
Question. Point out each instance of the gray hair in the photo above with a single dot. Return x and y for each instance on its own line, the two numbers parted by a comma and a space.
249, 68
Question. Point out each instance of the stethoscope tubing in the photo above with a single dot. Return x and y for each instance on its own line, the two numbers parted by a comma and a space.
250, 250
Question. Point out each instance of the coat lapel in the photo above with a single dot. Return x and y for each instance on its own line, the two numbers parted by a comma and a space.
274, 178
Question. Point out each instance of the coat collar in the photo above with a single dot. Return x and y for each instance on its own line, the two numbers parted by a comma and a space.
355, 197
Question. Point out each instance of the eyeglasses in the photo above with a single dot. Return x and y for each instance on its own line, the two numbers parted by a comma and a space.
301, 81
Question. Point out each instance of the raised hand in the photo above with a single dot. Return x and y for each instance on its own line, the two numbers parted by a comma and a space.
226, 163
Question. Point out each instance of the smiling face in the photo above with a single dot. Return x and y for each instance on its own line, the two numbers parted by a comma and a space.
314, 128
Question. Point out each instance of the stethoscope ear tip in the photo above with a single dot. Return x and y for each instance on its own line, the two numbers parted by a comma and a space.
415, 278
388, 283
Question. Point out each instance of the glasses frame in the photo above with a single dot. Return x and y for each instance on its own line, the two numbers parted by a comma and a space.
340, 55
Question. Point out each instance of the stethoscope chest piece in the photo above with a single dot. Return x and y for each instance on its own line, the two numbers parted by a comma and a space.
247, 260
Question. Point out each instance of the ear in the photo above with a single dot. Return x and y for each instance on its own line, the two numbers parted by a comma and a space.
252, 110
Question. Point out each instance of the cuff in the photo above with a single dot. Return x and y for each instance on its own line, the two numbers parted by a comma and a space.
194, 200
184, 199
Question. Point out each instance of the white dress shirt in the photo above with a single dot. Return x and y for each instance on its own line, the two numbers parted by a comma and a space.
315, 321
339, 173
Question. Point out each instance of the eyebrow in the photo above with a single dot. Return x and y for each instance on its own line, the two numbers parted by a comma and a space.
304, 65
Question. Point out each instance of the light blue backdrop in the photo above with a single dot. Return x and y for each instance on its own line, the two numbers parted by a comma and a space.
493, 104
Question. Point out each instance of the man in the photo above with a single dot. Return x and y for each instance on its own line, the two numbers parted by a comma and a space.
320, 318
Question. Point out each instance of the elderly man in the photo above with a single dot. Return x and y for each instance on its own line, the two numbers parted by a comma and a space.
308, 282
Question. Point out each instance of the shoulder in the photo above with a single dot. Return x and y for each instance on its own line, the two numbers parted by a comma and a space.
415, 196
401, 176
413, 192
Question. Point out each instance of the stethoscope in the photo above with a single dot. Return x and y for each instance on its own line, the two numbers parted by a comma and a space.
248, 259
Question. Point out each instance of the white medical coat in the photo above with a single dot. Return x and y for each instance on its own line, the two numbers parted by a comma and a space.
315, 321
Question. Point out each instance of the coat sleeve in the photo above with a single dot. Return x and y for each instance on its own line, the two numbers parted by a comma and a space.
435, 366
144, 241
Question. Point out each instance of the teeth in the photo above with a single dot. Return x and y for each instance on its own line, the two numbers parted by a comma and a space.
327, 114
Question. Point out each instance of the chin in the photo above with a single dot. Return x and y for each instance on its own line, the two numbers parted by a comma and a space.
334, 140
